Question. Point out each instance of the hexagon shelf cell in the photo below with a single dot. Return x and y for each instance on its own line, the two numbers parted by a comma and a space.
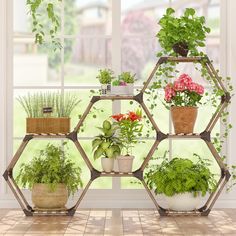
225, 98
8, 176
221, 182
139, 172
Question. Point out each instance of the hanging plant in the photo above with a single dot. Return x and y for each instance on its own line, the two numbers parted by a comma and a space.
45, 8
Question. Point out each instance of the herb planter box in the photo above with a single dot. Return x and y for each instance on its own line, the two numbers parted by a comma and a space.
122, 90
105, 89
48, 125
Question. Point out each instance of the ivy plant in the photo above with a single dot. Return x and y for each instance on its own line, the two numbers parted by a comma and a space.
188, 29
180, 176
52, 166
37, 8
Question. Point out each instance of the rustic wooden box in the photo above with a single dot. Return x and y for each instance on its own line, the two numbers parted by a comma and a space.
48, 125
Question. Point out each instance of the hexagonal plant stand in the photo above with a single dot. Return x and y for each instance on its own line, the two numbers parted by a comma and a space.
94, 173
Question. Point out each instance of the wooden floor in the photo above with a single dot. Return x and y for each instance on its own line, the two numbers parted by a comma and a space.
118, 222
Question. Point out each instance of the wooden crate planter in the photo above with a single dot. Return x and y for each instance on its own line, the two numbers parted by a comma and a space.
48, 125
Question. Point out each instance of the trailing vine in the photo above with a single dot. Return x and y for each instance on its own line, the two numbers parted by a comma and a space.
51, 28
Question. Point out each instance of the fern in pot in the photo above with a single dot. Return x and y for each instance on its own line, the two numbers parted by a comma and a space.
107, 146
105, 78
129, 127
52, 176
181, 181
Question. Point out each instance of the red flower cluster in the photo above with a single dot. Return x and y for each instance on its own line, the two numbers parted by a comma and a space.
132, 116
183, 83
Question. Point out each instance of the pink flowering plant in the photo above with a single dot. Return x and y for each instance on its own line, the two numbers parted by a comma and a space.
184, 92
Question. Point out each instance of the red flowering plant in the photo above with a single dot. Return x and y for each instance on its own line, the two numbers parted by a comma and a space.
183, 92
129, 129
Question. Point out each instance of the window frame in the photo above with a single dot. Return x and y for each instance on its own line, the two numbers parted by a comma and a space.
108, 197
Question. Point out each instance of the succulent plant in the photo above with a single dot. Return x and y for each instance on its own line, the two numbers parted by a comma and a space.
106, 144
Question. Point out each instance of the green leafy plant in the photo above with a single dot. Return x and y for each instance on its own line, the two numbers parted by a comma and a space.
52, 166
188, 29
105, 76
129, 129
127, 77
62, 105
47, 9
180, 176
107, 144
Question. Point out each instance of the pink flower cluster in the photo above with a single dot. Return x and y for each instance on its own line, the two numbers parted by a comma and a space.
183, 83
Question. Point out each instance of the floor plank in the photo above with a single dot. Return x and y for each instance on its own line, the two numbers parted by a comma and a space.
118, 222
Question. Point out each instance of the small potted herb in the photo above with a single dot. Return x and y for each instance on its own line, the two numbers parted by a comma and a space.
124, 85
52, 176
129, 130
183, 96
184, 34
105, 77
106, 146
181, 181
48, 112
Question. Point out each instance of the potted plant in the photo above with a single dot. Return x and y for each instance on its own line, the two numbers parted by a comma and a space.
183, 34
48, 112
124, 85
52, 176
105, 77
129, 129
106, 146
183, 96
181, 181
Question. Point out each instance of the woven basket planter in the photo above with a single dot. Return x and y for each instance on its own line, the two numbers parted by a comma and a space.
48, 125
44, 198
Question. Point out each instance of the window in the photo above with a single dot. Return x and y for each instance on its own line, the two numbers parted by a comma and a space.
90, 43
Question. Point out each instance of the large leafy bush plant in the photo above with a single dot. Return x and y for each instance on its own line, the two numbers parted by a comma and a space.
188, 29
52, 166
180, 176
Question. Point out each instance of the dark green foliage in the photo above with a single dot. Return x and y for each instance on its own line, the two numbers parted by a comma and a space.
106, 144
180, 176
51, 167
189, 29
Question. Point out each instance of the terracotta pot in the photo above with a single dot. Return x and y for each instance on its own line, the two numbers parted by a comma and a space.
125, 163
181, 49
184, 119
44, 198
48, 125
107, 164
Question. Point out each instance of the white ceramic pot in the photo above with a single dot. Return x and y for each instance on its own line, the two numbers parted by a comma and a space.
122, 90
125, 163
183, 202
107, 164
105, 89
